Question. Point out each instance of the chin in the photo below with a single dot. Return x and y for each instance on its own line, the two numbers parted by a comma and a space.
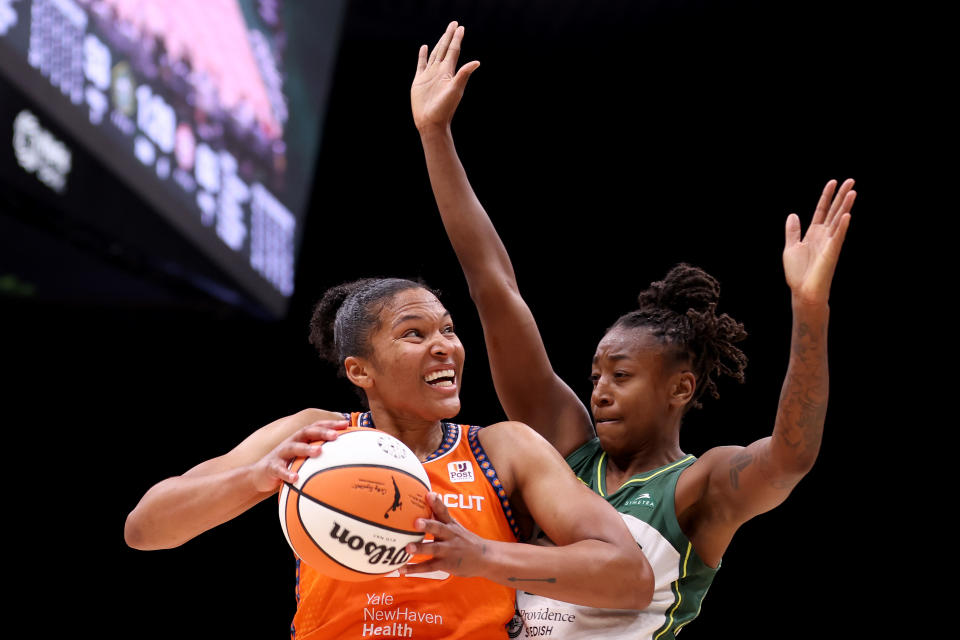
449, 409
611, 438
608, 430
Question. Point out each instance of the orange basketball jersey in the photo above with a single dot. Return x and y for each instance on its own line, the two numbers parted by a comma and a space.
435, 606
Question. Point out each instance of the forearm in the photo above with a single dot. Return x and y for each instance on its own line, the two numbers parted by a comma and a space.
180, 508
523, 377
798, 429
590, 572
474, 239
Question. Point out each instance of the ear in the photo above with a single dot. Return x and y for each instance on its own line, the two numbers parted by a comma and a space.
359, 371
682, 387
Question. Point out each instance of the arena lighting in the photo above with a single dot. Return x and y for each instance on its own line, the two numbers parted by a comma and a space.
209, 111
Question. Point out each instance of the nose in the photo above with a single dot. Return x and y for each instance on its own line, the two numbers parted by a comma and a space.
440, 346
601, 394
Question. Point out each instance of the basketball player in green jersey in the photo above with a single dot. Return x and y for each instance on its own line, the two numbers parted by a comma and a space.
650, 368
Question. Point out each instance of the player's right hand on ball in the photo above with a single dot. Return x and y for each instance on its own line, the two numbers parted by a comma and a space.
273, 469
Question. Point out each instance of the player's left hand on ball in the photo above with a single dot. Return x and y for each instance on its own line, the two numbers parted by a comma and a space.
454, 549
274, 468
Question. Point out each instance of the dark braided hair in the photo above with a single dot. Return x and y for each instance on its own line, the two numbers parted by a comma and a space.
349, 313
680, 311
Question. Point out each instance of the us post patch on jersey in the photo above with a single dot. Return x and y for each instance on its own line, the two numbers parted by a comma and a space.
460, 471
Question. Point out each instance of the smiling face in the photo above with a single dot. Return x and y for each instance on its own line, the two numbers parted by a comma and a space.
639, 390
416, 360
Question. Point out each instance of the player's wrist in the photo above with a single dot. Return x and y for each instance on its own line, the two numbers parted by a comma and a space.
432, 130
811, 307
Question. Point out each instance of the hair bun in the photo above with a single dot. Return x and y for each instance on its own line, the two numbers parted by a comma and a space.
347, 314
684, 288
680, 311
323, 322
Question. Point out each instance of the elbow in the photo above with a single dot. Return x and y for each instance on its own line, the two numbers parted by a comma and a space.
789, 462
801, 467
627, 579
495, 289
794, 466
133, 533
641, 581
138, 536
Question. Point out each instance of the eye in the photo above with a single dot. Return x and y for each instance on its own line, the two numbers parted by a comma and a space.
448, 329
411, 333
620, 375
594, 378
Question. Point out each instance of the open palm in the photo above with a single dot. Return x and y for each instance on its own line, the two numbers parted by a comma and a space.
438, 86
810, 260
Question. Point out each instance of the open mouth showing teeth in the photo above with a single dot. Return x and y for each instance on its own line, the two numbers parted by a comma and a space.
444, 378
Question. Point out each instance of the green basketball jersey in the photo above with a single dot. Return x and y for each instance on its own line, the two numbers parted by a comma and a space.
646, 503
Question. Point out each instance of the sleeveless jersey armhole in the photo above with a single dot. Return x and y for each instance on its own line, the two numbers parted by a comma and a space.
670, 517
581, 459
486, 467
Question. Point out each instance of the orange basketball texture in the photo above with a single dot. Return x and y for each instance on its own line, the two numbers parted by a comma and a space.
351, 512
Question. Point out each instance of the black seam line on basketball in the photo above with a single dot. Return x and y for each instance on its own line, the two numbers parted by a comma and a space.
368, 466
354, 465
317, 545
348, 514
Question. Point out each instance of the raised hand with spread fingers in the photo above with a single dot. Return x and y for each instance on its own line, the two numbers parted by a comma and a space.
810, 261
438, 86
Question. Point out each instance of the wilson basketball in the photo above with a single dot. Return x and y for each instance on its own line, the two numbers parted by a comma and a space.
351, 511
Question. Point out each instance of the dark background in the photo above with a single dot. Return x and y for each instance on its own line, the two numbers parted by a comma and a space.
608, 140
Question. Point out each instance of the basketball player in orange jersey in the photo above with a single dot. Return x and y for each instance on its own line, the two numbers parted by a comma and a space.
395, 341
652, 366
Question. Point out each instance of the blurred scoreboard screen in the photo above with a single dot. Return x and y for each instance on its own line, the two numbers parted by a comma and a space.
210, 110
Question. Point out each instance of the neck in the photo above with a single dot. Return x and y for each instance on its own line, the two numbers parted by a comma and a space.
659, 448
421, 435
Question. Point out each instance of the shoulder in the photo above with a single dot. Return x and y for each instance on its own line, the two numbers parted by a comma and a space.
309, 416
518, 452
269, 436
510, 435
291, 423
516, 449
263, 440
694, 483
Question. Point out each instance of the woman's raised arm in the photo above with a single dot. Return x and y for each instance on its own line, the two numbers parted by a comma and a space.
526, 384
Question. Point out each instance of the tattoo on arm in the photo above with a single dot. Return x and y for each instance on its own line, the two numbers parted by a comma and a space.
800, 414
744, 459
803, 401
550, 580
738, 463
803, 405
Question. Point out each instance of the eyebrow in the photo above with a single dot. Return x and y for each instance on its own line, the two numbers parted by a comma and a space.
615, 357
413, 316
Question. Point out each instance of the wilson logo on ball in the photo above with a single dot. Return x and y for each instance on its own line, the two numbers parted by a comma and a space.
376, 553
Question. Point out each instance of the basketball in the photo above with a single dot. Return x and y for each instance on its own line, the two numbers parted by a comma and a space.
351, 511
